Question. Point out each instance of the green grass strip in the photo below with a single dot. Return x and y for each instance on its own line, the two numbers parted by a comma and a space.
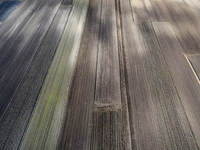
43, 129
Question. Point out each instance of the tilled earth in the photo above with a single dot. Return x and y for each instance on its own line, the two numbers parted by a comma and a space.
100, 74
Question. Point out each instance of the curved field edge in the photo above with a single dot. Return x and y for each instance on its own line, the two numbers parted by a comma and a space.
45, 123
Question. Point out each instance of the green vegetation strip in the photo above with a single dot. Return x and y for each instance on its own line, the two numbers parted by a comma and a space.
45, 123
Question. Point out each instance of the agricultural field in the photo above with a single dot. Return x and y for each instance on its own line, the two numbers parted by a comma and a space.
100, 74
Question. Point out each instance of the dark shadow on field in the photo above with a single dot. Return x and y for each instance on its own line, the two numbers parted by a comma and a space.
7, 8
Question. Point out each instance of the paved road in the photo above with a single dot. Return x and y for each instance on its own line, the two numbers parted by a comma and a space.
123, 75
